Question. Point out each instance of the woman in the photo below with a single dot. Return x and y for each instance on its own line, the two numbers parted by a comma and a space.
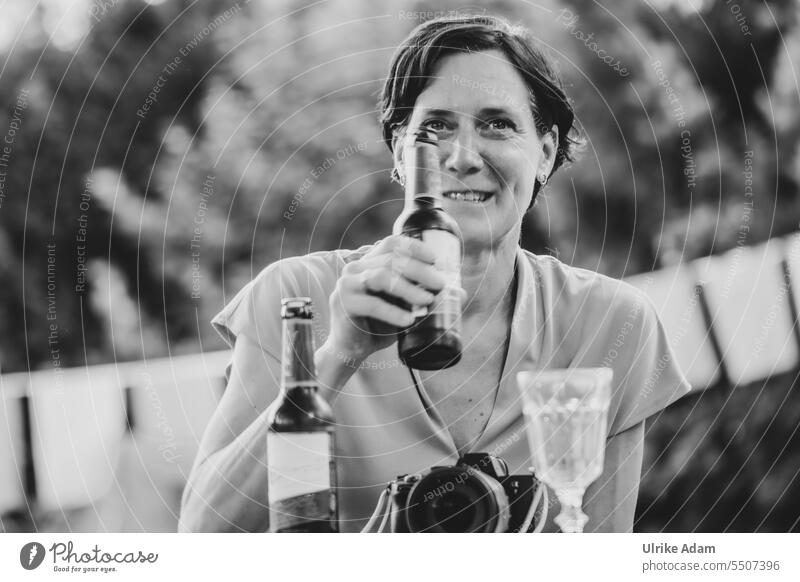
504, 127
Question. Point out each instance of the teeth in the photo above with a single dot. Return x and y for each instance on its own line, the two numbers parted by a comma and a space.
467, 196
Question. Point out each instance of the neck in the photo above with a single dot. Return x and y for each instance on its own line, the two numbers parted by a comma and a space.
487, 276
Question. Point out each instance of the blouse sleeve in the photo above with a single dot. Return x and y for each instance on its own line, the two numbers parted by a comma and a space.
255, 311
633, 342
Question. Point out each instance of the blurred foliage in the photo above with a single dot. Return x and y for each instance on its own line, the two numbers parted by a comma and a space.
263, 142
725, 461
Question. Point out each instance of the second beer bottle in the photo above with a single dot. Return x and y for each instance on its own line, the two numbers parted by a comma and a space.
433, 341
301, 481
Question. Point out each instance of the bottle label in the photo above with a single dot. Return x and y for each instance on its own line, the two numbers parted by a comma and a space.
299, 478
448, 260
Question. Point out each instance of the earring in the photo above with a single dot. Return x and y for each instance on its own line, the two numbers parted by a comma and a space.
398, 177
542, 179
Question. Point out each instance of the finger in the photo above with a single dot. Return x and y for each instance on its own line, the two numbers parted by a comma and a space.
406, 245
376, 308
420, 273
415, 271
387, 281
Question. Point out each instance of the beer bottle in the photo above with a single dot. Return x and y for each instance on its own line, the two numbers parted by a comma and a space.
301, 477
433, 341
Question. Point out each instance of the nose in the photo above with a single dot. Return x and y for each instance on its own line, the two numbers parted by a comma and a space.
462, 157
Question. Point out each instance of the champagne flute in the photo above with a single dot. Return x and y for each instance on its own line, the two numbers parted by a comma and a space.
566, 413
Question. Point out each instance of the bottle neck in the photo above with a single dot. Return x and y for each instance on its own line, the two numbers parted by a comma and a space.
424, 202
299, 373
424, 187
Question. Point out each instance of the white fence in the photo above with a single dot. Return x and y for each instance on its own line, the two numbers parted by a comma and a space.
732, 318
65, 436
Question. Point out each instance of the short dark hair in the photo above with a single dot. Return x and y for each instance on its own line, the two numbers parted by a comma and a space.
414, 61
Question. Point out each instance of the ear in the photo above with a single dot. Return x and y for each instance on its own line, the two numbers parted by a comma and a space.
397, 153
549, 151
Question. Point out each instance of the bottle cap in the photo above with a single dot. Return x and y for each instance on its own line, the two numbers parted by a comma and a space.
425, 135
422, 163
296, 307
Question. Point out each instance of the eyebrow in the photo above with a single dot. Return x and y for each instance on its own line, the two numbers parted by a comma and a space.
484, 111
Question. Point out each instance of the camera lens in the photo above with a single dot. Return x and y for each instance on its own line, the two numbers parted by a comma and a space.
453, 512
457, 499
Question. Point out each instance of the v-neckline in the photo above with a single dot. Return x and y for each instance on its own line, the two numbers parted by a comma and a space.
433, 415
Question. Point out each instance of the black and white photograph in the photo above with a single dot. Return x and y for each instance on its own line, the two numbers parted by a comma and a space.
398, 266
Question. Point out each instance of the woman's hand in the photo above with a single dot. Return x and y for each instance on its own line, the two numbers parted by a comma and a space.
362, 320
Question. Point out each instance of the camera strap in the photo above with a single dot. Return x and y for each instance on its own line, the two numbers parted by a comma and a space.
418, 387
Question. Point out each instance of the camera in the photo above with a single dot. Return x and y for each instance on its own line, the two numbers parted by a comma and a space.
475, 495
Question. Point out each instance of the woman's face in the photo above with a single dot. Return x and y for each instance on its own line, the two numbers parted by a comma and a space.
490, 151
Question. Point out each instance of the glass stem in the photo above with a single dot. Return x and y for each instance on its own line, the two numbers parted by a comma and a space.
571, 519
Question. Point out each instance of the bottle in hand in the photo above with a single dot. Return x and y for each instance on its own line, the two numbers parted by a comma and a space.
301, 470
433, 341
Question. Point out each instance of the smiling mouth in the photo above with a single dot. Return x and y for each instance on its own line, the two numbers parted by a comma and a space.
474, 196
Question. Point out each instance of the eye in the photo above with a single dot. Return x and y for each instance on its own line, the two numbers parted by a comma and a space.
436, 125
501, 124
